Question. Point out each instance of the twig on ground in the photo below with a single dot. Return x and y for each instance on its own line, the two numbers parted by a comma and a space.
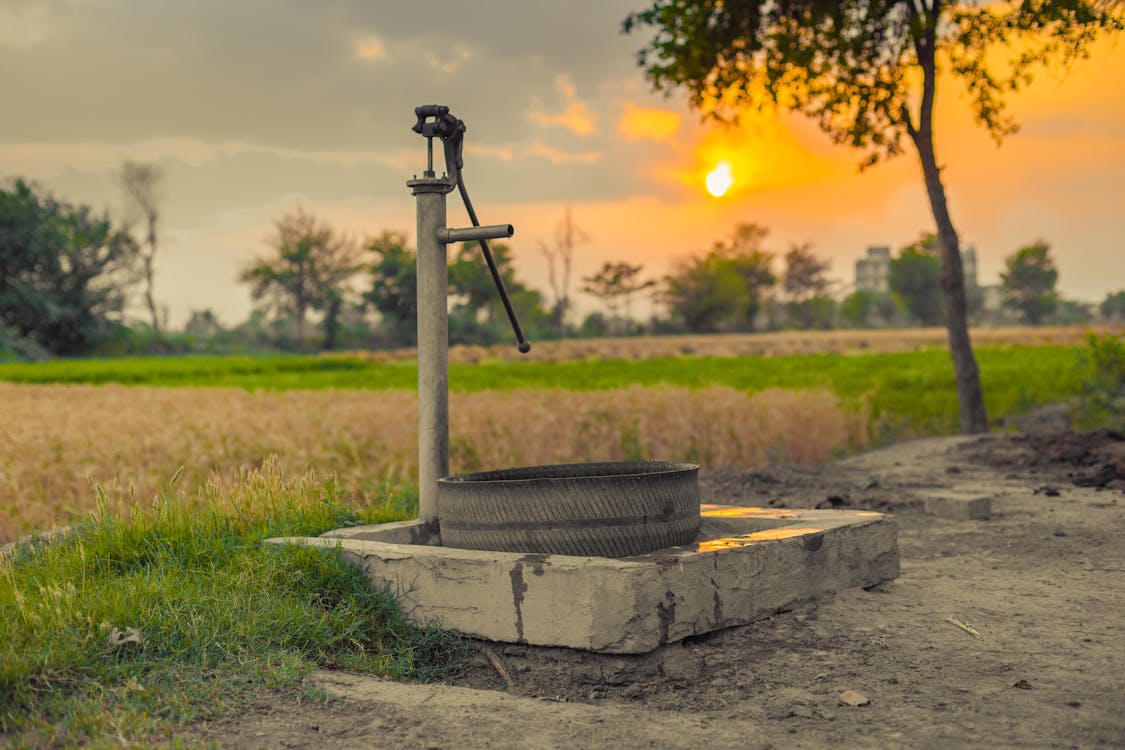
964, 626
494, 660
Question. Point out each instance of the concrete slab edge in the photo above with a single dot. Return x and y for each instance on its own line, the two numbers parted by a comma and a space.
631, 605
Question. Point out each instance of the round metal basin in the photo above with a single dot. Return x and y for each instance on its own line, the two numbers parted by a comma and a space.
612, 509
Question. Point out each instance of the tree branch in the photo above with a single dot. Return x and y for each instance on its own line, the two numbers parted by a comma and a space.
907, 121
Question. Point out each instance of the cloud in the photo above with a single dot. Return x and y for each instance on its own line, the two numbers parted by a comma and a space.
455, 57
538, 149
503, 153
23, 26
575, 117
639, 123
370, 48
45, 160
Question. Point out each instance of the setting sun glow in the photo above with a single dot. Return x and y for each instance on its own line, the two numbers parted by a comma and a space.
719, 179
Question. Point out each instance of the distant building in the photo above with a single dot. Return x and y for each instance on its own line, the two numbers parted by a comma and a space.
969, 266
991, 299
872, 272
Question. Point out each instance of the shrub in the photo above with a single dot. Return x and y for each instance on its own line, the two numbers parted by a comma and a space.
1102, 369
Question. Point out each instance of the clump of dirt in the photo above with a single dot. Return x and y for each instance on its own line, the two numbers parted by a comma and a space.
1095, 458
781, 486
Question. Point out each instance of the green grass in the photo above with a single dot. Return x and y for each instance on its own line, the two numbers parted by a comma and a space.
220, 615
906, 390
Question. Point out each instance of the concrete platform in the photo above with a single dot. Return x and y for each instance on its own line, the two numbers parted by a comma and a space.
747, 564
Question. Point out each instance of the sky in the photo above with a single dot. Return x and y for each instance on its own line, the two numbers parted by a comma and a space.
253, 107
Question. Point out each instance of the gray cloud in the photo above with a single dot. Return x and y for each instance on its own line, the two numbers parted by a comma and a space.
288, 73
242, 103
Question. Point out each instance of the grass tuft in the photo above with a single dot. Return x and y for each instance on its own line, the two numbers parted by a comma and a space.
135, 623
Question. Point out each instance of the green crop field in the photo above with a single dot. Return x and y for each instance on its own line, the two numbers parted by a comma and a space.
918, 386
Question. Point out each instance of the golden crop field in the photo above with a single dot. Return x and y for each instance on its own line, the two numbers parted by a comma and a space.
778, 343
58, 441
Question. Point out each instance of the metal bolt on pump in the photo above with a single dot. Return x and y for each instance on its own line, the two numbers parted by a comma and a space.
435, 121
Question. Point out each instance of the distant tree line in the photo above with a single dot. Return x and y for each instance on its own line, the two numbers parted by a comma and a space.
67, 272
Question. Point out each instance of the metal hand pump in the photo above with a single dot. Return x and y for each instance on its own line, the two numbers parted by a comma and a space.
435, 121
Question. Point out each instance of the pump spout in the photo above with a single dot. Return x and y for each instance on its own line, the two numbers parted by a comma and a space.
474, 234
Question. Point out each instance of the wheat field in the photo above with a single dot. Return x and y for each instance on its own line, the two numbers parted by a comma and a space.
60, 445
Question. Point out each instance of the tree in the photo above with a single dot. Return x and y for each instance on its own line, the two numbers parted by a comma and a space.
471, 282
560, 259
805, 284
64, 271
477, 316
867, 73
857, 307
394, 286
724, 289
1028, 285
141, 184
914, 280
203, 324
63, 268
615, 284
474, 317
311, 264
1113, 306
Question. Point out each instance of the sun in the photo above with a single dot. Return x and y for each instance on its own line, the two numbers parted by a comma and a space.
720, 179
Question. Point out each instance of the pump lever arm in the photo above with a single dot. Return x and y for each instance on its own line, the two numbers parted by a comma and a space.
522, 343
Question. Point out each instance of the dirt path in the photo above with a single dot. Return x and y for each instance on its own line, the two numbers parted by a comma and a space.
1042, 582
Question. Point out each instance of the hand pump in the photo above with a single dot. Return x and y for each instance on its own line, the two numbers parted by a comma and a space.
435, 121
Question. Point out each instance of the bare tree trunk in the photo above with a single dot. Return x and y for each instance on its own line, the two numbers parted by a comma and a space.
148, 262
974, 418
559, 261
141, 183
300, 315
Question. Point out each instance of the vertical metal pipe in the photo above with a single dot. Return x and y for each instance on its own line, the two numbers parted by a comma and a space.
433, 343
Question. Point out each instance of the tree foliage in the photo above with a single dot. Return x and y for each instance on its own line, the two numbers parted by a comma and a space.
858, 308
471, 284
724, 289
805, 282
310, 266
615, 284
476, 314
914, 279
860, 69
394, 287
1028, 283
64, 271
1113, 306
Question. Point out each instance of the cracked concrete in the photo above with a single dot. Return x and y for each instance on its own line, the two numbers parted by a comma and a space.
747, 564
